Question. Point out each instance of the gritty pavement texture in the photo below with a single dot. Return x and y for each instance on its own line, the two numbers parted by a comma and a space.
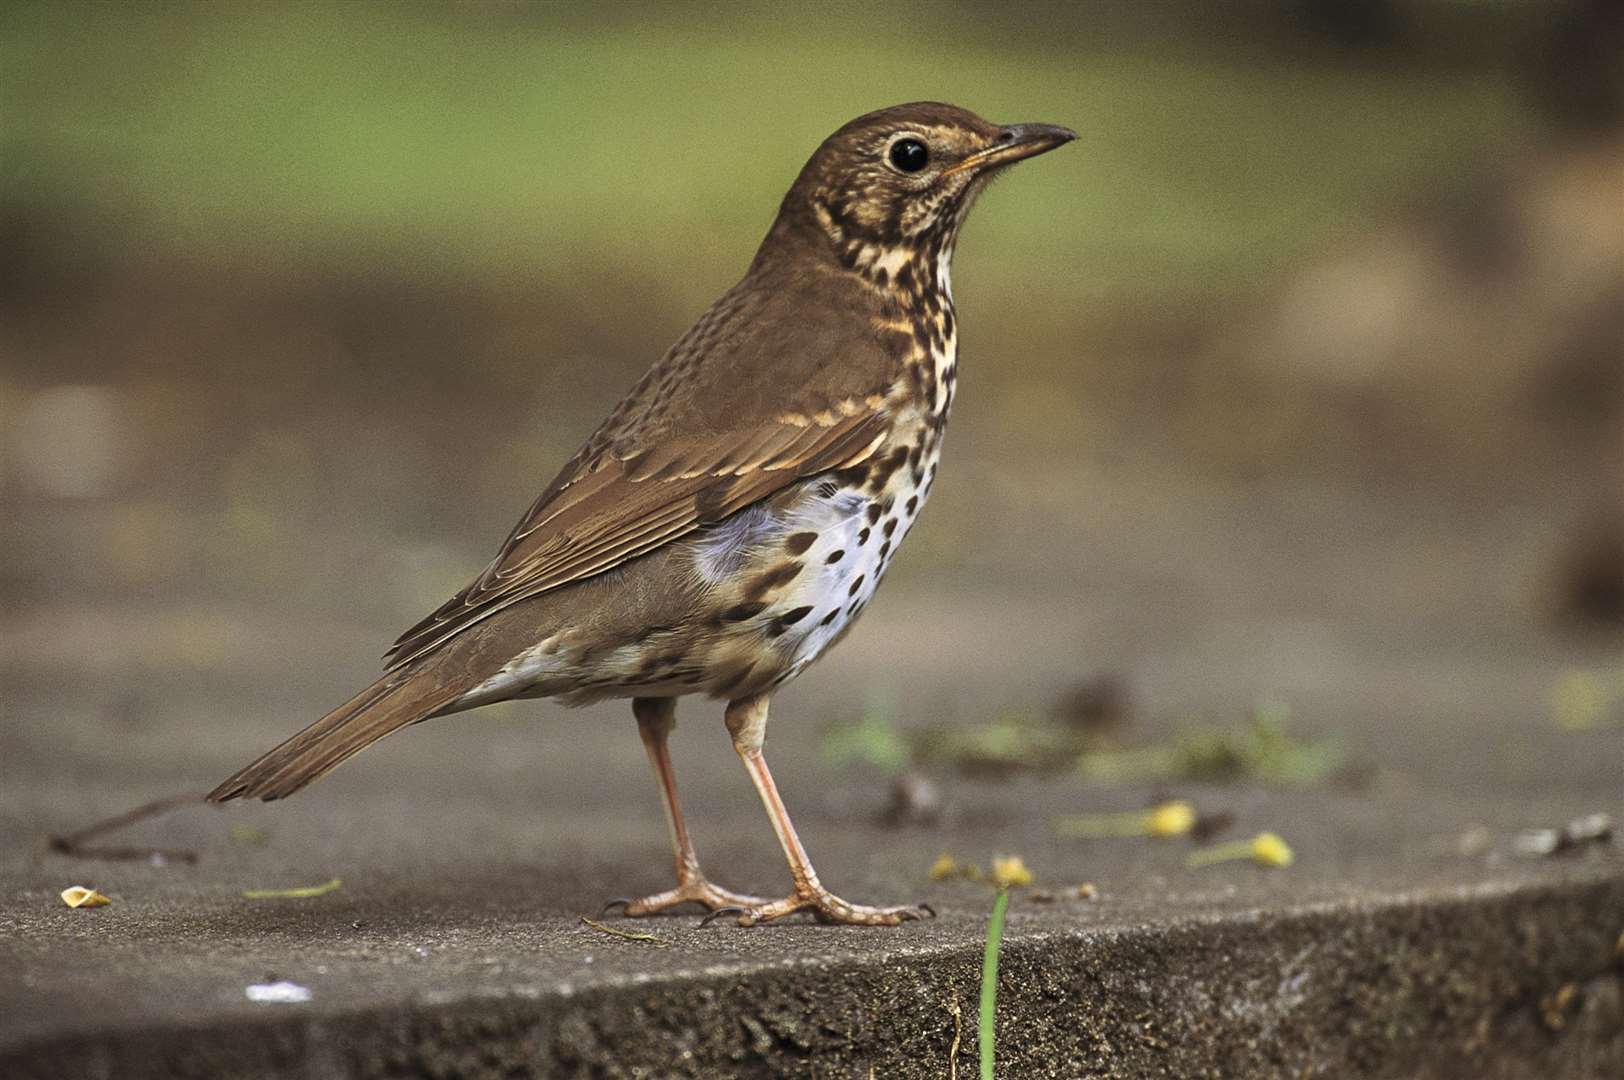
1407, 940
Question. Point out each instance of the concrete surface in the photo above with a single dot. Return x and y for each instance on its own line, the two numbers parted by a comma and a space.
1408, 940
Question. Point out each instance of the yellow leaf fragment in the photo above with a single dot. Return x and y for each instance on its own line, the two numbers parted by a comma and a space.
78, 896
303, 892
1173, 818
1009, 871
1269, 850
944, 867
1265, 849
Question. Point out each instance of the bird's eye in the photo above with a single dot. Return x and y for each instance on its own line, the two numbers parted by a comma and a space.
909, 155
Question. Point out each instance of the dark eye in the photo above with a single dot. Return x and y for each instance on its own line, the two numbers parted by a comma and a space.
909, 155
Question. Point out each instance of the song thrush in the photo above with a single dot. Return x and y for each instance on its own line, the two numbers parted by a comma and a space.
734, 514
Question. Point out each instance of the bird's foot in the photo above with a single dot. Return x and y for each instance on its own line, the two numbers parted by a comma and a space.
825, 906
695, 890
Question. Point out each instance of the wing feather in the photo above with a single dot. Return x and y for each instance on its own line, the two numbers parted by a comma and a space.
709, 430
616, 512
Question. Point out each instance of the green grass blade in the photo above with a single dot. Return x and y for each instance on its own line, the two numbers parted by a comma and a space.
989, 984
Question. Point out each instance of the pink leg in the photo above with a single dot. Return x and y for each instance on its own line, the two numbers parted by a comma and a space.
747, 723
655, 719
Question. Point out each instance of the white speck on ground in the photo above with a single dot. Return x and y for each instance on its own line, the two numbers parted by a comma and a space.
277, 993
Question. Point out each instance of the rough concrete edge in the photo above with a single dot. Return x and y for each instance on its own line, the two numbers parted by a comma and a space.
1424, 984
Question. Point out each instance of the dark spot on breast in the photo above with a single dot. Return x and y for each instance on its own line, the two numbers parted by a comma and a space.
912, 505
797, 543
862, 536
795, 615
899, 344
880, 474
858, 584
768, 580
874, 513
829, 618
885, 551
828, 489
741, 612
787, 619
890, 526
836, 555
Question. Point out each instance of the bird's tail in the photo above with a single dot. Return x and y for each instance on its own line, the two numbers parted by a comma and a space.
394, 701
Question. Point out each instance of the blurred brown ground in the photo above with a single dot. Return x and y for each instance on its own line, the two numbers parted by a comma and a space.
222, 471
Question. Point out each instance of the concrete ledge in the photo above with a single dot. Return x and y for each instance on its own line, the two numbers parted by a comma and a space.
1439, 983
1408, 940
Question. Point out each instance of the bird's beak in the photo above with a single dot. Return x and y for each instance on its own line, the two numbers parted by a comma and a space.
1015, 143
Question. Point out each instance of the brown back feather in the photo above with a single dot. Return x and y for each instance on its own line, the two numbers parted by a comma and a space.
782, 379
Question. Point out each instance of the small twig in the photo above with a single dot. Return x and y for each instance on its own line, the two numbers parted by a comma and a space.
303, 892
629, 935
958, 1031
74, 844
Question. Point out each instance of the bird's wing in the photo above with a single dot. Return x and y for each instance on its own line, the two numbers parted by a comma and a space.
702, 436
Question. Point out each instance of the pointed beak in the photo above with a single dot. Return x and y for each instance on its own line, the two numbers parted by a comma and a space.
1016, 142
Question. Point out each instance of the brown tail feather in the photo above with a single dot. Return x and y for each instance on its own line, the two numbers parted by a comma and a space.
394, 701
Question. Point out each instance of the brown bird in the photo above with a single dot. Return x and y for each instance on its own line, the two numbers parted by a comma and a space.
733, 516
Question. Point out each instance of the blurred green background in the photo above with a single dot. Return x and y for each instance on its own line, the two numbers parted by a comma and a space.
1306, 356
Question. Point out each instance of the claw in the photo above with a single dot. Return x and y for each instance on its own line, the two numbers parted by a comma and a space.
621, 902
719, 913
926, 908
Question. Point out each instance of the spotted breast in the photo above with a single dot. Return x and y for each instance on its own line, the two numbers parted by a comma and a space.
778, 583
810, 560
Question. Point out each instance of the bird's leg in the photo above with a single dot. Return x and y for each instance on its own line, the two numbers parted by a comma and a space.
655, 719
747, 723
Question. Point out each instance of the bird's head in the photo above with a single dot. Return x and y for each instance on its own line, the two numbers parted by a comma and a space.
897, 183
